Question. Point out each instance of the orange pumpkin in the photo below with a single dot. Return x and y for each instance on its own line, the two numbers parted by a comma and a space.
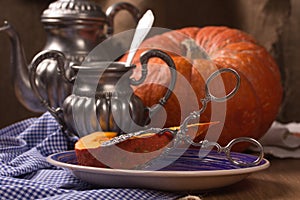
249, 113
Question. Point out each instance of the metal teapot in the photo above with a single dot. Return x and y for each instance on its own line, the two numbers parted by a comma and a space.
73, 27
102, 98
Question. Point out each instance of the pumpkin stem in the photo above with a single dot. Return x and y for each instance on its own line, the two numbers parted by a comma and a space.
193, 51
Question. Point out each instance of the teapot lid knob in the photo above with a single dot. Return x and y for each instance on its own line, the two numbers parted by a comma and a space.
72, 10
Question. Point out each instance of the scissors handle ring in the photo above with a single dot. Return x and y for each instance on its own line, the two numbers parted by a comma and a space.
228, 147
231, 93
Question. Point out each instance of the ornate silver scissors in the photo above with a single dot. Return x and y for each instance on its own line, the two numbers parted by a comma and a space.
180, 136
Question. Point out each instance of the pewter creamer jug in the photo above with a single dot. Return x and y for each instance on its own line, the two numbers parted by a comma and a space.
73, 27
102, 98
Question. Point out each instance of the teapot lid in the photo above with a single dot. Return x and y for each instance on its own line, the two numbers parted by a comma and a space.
72, 10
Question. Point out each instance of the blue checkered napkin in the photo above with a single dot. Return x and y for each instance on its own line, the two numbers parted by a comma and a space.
25, 173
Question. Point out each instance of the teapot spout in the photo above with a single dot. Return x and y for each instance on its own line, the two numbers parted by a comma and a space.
20, 71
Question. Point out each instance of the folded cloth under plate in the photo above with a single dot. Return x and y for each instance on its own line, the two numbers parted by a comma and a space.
25, 173
282, 140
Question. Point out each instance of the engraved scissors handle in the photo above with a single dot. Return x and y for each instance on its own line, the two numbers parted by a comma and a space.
208, 97
227, 150
180, 135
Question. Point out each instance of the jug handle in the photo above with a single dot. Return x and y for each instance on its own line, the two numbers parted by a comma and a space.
114, 9
144, 59
40, 57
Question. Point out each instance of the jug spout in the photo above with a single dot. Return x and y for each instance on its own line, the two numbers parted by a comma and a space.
19, 70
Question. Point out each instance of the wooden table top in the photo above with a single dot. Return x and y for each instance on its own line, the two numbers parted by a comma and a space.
280, 181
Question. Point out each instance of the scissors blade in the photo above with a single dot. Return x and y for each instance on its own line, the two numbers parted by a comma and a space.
124, 137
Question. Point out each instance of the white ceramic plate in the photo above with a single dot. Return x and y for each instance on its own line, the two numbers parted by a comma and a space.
186, 174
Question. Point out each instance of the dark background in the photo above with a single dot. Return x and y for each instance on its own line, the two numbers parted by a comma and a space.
274, 23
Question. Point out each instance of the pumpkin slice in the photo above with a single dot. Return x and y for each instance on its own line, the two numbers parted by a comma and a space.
127, 154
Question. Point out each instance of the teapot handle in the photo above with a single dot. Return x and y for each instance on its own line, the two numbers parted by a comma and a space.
144, 59
114, 9
40, 57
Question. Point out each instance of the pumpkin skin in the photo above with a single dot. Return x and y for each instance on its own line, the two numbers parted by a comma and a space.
249, 113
